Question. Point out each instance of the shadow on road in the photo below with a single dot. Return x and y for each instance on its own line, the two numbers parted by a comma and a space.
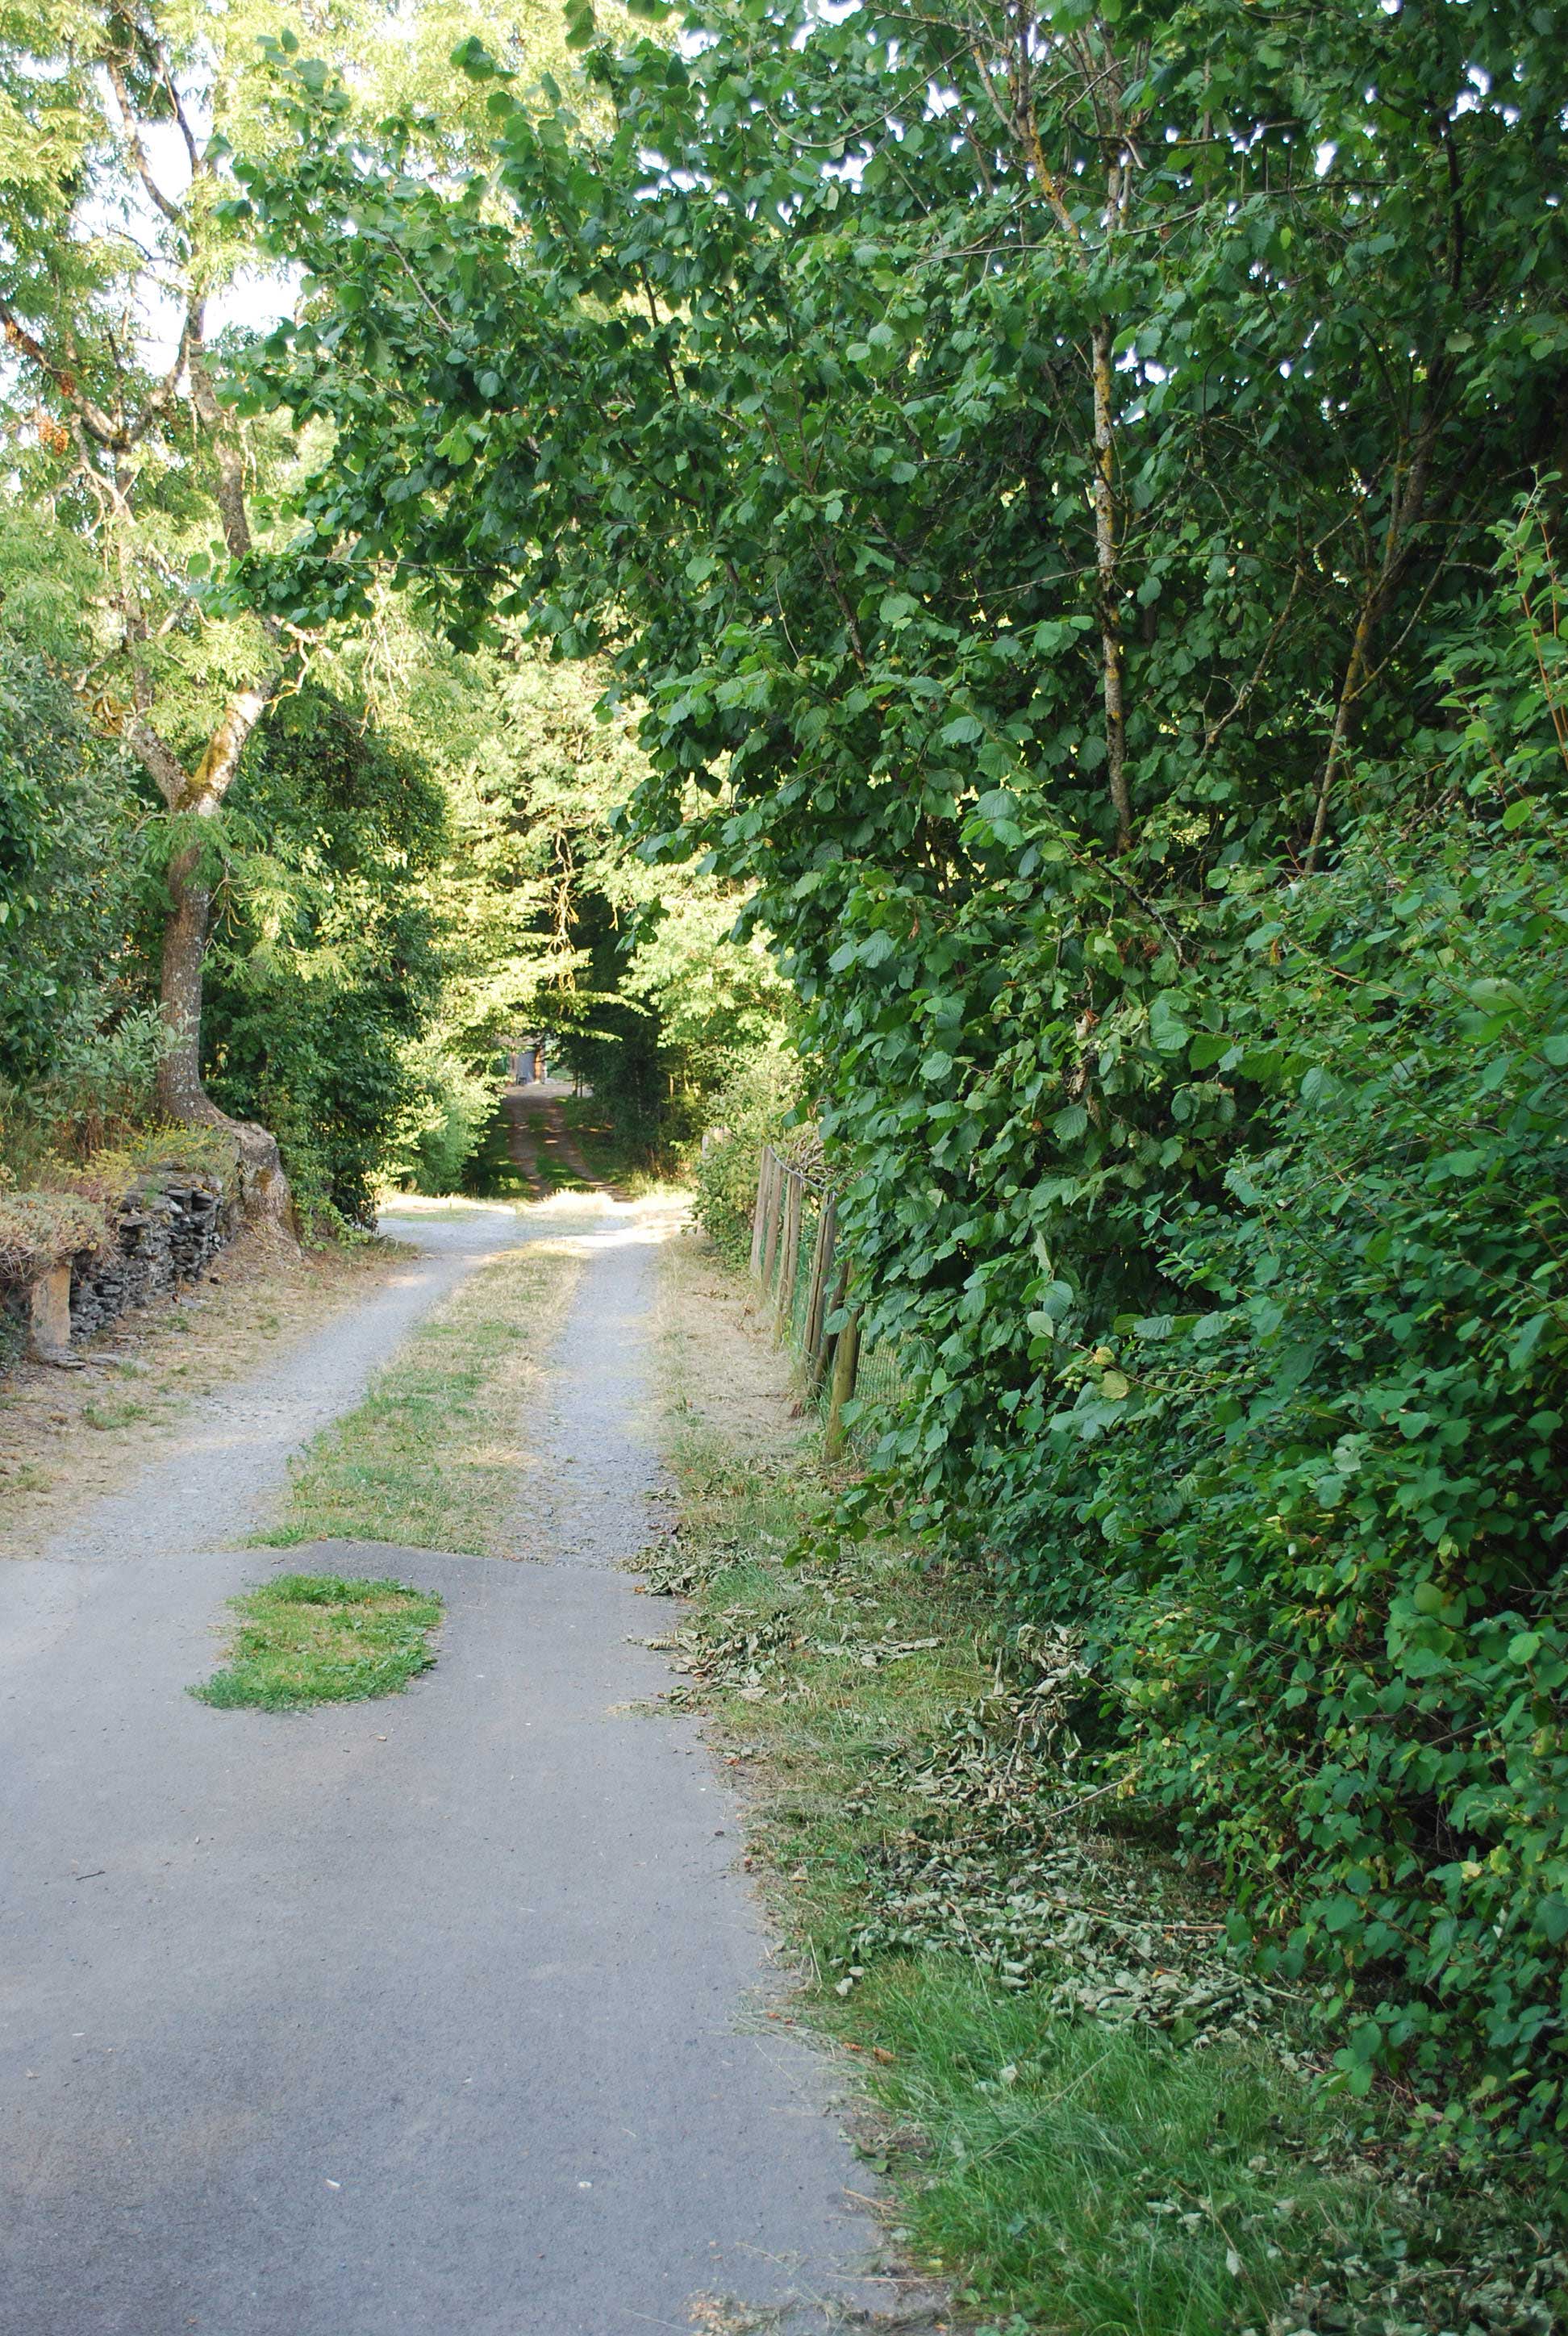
539, 1144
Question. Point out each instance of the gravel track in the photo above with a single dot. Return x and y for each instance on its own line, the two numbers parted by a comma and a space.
445, 2015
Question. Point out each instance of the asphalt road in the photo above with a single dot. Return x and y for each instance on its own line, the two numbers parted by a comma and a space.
444, 2015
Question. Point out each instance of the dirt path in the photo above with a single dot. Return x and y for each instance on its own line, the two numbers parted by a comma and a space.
441, 2016
539, 1134
68, 1437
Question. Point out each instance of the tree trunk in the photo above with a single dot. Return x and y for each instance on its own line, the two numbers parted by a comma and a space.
180, 1093
264, 1194
182, 266
1407, 509
1019, 116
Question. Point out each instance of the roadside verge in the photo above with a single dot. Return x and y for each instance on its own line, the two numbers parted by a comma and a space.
1092, 2118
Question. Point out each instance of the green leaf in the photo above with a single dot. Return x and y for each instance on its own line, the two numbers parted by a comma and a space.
1167, 1031
1553, 1916
1528, 1339
472, 57
1494, 995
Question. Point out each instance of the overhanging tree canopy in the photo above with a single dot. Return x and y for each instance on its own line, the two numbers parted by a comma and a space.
800, 385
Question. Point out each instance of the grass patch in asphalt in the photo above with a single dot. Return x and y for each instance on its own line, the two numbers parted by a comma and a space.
316, 1637
1092, 2122
436, 1456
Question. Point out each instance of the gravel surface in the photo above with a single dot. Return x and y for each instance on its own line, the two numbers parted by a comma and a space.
598, 1432
447, 2014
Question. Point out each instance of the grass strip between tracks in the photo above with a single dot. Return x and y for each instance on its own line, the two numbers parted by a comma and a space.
435, 1457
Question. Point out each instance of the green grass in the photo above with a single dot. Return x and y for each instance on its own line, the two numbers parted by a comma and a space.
621, 1161
435, 1455
491, 1174
1083, 2177
316, 1637
113, 1414
1070, 2174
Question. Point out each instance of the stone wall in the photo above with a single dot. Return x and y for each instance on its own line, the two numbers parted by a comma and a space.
165, 1232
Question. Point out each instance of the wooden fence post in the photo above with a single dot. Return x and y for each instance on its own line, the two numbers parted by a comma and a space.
832, 1305
759, 1213
770, 1236
814, 1346
49, 1312
846, 1370
789, 1251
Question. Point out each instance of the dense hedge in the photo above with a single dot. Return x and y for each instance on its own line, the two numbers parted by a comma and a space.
753, 1109
1265, 1387
1316, 1535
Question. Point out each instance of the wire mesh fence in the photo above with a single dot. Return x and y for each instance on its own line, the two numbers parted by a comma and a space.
798, 1258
